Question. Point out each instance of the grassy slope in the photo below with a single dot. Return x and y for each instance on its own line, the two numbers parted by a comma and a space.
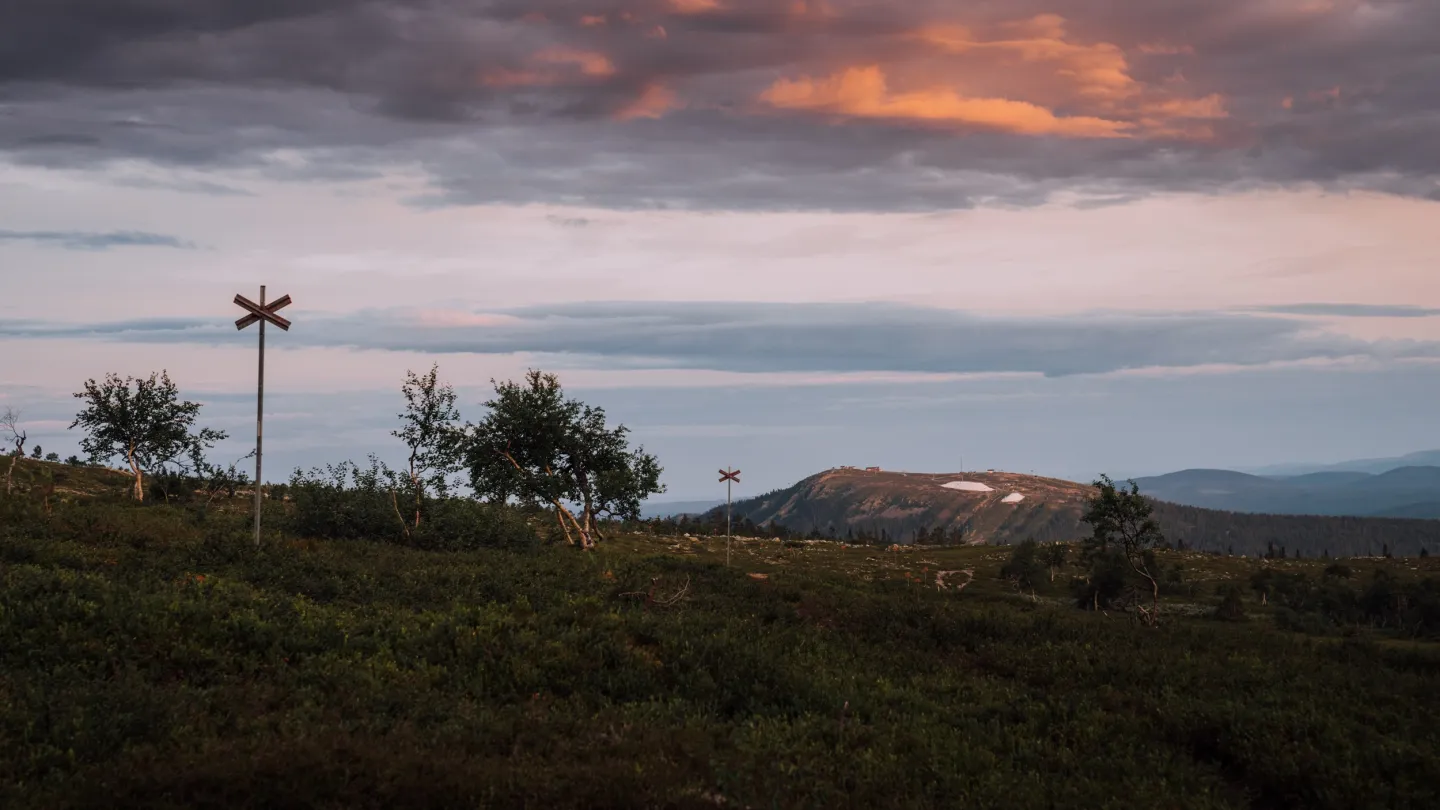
69, 481
193, 673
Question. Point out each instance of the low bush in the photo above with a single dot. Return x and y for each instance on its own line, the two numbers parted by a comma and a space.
1232, 605
350, 502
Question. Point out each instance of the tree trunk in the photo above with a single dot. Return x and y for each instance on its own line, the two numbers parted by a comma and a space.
560, 518
589, 517
1154, 617
395, 499
561, 513
139, 491
415, 484
586, 541
10, 474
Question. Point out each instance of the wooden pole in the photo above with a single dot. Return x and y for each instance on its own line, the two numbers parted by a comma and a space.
727, 523
259, 422
261, 313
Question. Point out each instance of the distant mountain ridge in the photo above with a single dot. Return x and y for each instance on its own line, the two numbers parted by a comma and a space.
665, 509
1401, 492
1374, 466
902, 506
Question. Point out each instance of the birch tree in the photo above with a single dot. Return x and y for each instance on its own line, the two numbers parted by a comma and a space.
1121, 520
538, 447
430, 428
10, 433
141, 420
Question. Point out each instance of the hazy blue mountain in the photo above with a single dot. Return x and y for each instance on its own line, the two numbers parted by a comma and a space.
664, 509
1423, 458
1411, 491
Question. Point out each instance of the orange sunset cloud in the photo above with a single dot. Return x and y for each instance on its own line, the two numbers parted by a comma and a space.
695, 6
862, 93
1014, 83
554, 66
1097, 71
653, 103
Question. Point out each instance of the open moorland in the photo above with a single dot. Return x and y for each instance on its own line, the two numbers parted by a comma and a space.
151, 656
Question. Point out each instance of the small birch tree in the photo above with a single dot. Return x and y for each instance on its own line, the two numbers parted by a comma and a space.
429, 427
538, 447
141, 420
1121, 519
10, 433
1055, 556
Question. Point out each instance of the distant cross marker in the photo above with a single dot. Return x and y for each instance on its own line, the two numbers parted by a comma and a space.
728, 477
262, 314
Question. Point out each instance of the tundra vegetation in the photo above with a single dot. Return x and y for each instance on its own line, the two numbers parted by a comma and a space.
397, 643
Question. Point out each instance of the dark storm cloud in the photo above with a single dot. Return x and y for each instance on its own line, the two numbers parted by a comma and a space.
639, 105
750, 337
88, 240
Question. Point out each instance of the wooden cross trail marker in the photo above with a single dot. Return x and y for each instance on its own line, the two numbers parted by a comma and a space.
728, 477
261, 313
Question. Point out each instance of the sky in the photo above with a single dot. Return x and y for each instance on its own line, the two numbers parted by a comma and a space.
1059, 237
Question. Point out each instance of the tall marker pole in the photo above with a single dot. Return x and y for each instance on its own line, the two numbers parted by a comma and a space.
261, 313
728, 476
259, 420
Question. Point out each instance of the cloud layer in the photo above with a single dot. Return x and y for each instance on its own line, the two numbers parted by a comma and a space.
1354, 310
760, 338
740, 104
91, 240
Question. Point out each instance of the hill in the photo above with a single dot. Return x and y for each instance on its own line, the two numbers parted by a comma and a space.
664, 509
968, 507
909, 507
1374, 466
1404, 491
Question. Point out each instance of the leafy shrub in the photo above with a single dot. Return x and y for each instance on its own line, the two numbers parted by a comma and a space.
97, 521
1310, 623
1024, 569
457, 524
20, 516
349, 502
1110, 584
1232, 605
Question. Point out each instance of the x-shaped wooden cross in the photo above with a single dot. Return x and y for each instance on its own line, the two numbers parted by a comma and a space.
264, 312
